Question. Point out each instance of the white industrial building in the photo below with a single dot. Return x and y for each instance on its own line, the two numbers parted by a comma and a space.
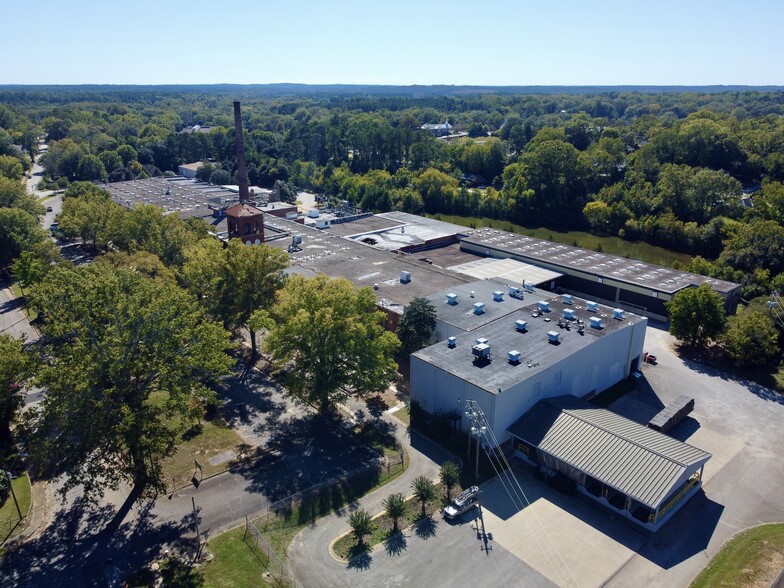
539, 349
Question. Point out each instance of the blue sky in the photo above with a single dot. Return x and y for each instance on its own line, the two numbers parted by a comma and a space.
488, 42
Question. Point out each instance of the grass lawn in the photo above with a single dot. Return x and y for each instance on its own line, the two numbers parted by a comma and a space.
9, 517
16, 288
212, 438
237, 563
279, 528
403, 415
752, 558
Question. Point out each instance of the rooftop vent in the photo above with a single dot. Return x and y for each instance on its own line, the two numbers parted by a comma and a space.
405, 277
451, 342
297, 239
451, 298
566, 298
528, 287
514, 356
552, 336
481, 340
569, 314
544, 306
516, 292
479, 308
473, 294
481, 351
521, 326
498, 296
618, 313
595, 322
592, 306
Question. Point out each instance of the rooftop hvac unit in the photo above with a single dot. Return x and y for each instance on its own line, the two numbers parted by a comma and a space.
595, 322
479, 308
451, 298
498, 296
514, 356
481, 351
569, 314
452, 342
528, 287
618, 313
567, 298
515, 292
297, 239
481, 340
592, 306
552, 336
405, 277
521, 326
544, 306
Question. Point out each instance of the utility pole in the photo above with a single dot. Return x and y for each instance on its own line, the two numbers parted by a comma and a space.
478, 428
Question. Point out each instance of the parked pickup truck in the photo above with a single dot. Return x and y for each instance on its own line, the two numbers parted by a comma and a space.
462, 503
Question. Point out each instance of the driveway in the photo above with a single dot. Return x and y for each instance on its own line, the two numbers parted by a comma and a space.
740, 423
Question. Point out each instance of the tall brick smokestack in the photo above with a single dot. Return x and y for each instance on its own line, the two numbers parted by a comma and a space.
242, 171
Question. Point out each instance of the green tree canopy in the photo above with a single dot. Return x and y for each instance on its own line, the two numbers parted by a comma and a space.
696, 315
16, 367
19, 231
424, 491
128, 356
332, 335
751, 339
417, 326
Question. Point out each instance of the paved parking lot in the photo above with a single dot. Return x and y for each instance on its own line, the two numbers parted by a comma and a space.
571, 542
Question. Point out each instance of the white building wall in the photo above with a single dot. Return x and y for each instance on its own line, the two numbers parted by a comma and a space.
445, 330
437, 390
593, 368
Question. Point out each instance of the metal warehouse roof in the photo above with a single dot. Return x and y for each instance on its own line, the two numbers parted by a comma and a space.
633, 459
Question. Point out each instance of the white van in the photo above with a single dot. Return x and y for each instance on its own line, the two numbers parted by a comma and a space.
463, 502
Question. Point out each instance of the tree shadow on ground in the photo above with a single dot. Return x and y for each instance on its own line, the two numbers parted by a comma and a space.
711, 363
251, 399
301, 453
71, 551
395, 544
425, 527
359, 558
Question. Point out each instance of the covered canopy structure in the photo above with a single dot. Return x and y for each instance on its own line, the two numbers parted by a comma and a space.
640, 473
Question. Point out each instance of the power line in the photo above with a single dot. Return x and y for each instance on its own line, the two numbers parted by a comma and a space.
481, 427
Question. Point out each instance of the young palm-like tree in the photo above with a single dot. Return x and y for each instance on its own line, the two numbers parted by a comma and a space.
450, 476
361, 525
395, 508
424, 491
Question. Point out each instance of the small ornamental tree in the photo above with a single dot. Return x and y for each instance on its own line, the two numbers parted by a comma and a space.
395, 508
361, 525
450, 476
696, 315
424, 491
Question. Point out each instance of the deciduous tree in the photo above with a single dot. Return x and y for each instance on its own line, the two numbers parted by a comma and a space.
332, 334
696, 315
751, 339
128, 356
16, 367
417, 326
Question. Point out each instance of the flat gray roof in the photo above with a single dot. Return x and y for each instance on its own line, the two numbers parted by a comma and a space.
633, 459
462, 314
535, 348
323, 252
603, 265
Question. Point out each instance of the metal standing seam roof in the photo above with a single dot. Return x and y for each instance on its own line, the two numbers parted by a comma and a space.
638, 461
